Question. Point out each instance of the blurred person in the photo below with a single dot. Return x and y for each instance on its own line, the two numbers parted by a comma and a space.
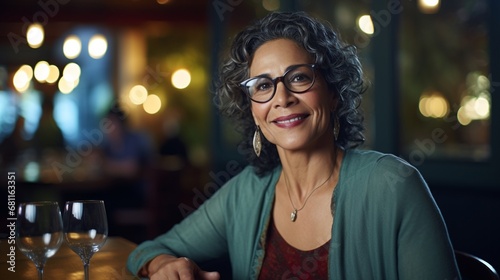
310, 205
173, 173
12, 146
173, 147
127, 158
48, 137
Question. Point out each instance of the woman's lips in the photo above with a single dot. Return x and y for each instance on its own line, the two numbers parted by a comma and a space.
290, 120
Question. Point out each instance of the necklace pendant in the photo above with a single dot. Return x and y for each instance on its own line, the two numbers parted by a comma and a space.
293, 215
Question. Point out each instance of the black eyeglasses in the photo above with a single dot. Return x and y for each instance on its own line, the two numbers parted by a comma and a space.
297, 79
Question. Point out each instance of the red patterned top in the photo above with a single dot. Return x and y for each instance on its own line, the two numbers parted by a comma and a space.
283, 261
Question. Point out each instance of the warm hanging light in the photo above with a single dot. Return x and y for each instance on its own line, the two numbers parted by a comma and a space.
22, 78
72, 47
35, 35
98, 45
72, 72
65, 86
365, 23
152, 104
138, 94
53, 74
181, 78
42, 71
429, 6
28, 70
433, 105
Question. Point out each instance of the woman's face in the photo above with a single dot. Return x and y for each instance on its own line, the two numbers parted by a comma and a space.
289, 120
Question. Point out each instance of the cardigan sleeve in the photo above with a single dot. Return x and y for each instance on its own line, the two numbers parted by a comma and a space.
200, 236
424, 250
229, 224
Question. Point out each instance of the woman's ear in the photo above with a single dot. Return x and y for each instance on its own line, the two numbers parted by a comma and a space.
255, 119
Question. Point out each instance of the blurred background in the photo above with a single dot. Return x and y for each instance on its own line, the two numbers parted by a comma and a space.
113, 100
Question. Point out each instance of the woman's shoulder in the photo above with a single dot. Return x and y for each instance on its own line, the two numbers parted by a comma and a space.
247, 190
373, 170
357, 159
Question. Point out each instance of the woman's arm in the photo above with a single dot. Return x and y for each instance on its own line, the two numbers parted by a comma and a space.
424, 250
170, 267
200, 237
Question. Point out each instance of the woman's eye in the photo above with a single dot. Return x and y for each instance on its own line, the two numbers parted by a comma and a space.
264, 86
299, 77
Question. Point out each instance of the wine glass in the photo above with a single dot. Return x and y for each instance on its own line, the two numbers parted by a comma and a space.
85, 228
39, 231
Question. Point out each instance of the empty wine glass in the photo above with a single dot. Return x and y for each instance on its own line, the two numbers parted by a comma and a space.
85, 228
39, 231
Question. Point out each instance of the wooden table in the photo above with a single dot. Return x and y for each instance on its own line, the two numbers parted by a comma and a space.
107, 264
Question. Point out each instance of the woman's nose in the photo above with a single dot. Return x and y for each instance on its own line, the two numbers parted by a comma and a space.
283, 97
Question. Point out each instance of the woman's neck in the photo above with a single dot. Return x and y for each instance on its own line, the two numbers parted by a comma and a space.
305, 171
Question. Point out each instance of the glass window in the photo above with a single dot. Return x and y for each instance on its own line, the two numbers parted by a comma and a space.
444, 81
8, 113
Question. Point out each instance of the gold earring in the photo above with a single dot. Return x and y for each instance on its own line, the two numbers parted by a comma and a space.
257, 142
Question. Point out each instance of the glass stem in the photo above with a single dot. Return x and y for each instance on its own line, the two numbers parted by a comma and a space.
86, 269
40, 273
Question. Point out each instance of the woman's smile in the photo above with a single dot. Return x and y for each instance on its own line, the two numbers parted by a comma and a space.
290, 120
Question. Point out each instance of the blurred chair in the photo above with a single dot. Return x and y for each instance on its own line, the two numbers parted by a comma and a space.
472, 267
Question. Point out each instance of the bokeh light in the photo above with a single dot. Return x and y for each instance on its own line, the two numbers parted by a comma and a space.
72, 72
138, 94
22, 78
474, 108
53, 74
482, 107
35, 35
72, 47
181, 78
42, 71
152, 105
429, 6
433, 105
476, 104
98, 45
365, 23
271, 5
65, 86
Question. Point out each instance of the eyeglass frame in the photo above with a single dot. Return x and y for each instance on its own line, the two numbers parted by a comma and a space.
278, 79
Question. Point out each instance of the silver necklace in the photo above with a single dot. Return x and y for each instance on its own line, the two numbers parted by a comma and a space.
293, 215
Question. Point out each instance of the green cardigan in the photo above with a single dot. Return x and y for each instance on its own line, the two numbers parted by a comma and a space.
386, 224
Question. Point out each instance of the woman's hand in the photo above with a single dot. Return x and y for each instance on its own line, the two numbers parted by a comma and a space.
165, 267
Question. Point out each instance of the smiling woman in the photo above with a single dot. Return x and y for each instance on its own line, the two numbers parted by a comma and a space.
292, 120
344, 76
309, 204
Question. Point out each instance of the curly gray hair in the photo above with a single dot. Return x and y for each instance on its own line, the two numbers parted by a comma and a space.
337, 62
